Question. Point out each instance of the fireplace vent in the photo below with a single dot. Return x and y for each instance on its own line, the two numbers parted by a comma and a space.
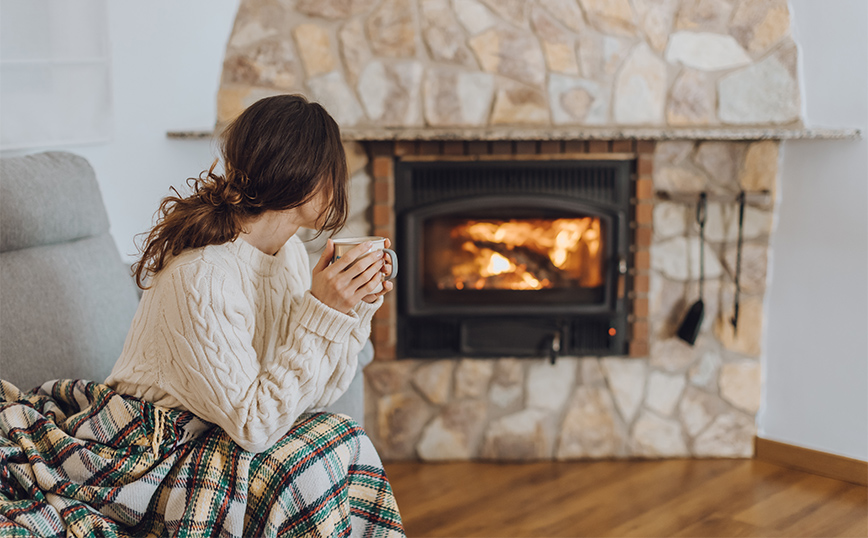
438, 182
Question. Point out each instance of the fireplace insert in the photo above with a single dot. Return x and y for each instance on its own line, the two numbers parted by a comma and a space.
512, 258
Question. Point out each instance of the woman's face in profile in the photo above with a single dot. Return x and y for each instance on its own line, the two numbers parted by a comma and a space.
312, 213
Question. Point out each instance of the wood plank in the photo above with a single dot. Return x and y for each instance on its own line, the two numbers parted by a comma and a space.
813, 461
442, 493
624, 498
718, 524
745, 483
832, 516
787, 506
858, 528
638, 490
517, 485
549, 512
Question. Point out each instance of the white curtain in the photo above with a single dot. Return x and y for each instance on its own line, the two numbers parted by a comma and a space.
55, 86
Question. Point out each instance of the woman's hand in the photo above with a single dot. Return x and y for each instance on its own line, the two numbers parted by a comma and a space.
387, 284
342, 284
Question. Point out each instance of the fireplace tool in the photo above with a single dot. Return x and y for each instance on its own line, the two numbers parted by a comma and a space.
734, 319
689, 329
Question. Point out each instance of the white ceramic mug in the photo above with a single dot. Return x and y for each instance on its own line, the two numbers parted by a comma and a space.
345, 244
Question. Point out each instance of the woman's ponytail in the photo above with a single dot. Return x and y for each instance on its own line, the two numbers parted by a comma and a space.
213, 214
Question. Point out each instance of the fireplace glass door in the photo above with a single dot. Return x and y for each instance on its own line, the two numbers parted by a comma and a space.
540, 259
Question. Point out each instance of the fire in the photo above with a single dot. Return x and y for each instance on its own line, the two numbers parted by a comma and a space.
497, 264
529, 254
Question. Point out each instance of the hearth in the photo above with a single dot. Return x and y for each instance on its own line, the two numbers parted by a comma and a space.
522, 258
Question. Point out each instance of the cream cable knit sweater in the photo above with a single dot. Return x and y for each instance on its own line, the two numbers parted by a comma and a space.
236, 337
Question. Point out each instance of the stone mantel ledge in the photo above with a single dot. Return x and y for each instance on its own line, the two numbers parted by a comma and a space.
578, 133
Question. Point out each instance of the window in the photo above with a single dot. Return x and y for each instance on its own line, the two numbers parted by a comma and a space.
55, 86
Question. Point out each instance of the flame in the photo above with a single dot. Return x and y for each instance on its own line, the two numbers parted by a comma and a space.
497, 264
530, 254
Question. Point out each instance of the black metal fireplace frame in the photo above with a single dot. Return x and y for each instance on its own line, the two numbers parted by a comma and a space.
596, 188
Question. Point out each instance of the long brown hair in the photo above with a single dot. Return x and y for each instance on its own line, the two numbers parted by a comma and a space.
278, 154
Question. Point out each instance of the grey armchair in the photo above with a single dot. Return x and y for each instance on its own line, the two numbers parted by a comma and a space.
66, 297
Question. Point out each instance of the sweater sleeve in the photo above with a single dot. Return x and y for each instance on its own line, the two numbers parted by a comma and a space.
358, 336
213, 369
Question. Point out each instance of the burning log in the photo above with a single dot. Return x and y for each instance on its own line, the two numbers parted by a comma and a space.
530, 254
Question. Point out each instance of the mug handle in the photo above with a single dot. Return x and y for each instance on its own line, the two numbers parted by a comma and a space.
394, 258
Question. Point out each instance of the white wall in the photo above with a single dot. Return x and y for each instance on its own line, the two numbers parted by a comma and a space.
166, 59
816, 374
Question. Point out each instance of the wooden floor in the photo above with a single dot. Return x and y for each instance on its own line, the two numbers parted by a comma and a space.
624, 498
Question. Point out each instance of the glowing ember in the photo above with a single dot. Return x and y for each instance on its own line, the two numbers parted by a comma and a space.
530, 254
497, 264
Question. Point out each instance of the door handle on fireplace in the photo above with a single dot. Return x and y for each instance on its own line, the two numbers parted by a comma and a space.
622, 276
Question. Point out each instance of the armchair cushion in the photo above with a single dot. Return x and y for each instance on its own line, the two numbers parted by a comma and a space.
48, 198
67, 297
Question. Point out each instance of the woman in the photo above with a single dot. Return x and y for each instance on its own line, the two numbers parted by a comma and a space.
233, 329
231, 326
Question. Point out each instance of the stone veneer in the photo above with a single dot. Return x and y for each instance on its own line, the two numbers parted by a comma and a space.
442, 63
386, 65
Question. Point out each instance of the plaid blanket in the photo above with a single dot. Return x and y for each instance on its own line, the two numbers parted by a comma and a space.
79, 459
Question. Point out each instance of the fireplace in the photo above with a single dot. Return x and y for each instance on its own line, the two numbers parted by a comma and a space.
522, 258
681, 93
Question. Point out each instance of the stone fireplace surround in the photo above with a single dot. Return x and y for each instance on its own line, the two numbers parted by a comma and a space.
666, 399
698, 93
